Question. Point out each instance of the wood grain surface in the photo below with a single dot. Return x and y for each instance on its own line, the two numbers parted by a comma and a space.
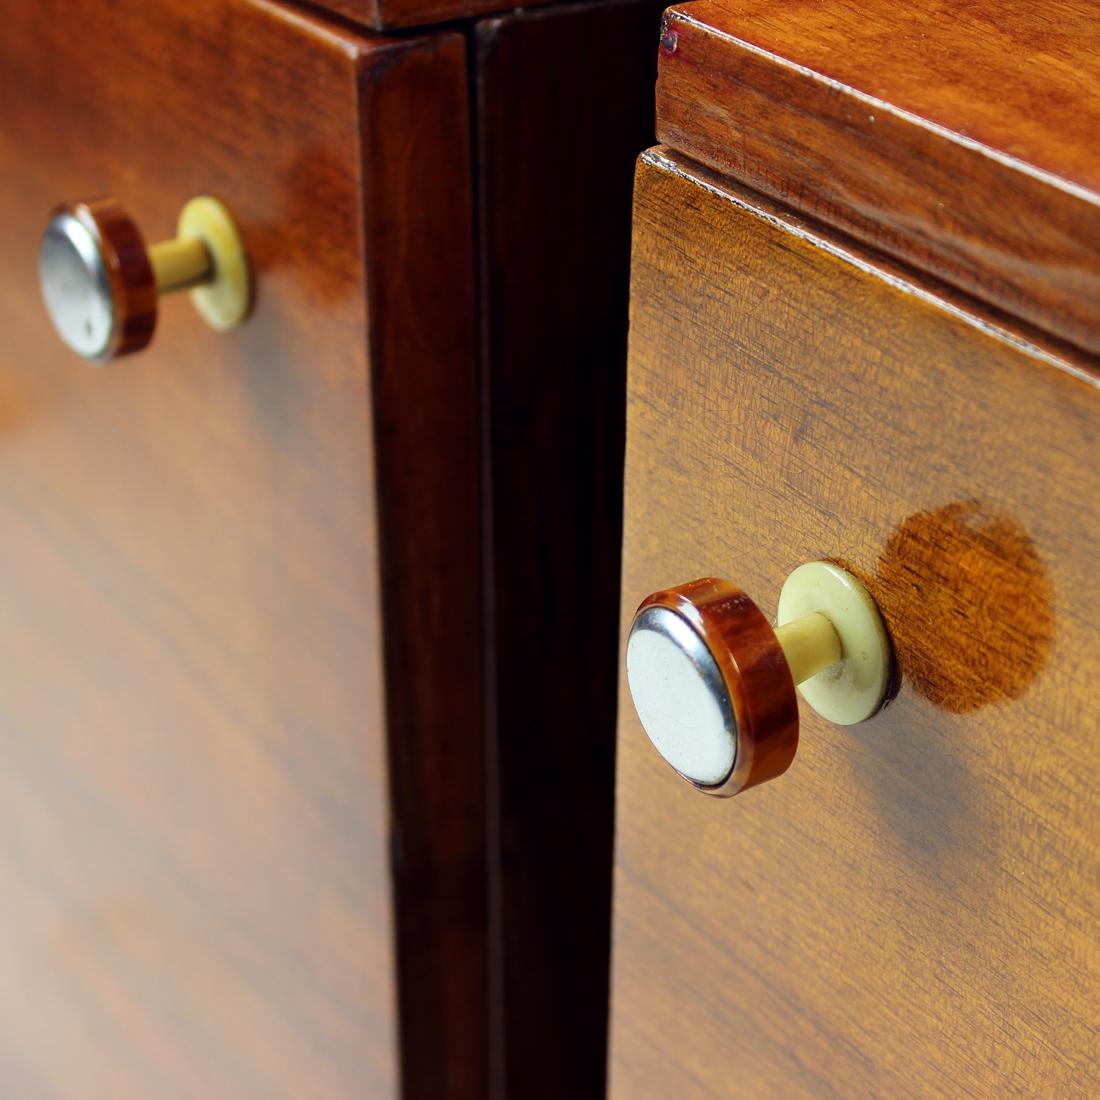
564, 106
959, 137
912, 910
200, 821
425, 393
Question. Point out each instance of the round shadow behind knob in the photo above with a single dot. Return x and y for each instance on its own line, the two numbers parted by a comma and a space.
97, 281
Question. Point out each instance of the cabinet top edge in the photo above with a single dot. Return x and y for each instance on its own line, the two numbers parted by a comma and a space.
959, 138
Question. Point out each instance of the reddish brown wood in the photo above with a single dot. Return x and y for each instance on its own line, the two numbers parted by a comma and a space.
754, 670
961, 140
911, 911
564, 106
936, 568
233, 713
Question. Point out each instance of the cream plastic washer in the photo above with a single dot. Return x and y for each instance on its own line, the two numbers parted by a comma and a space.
854, 688
223, 302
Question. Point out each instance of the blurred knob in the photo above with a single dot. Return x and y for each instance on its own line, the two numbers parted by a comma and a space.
714, 683
101, 284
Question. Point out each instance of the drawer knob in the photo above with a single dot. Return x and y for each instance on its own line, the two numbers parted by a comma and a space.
714, 683
100, 282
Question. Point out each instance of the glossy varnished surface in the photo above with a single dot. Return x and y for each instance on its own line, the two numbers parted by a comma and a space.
959, 137
131, 287
420, 273
196, 806
564, 106
911, 910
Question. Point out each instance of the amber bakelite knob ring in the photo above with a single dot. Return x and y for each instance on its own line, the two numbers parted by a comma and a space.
97, 279
712, 687
714, 682
101, 283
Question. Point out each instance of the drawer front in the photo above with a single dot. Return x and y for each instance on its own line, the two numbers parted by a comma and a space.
195, 860
910, 911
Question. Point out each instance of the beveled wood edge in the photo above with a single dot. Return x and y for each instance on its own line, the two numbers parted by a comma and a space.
755, 671
129, 272
995, 323
1044, 297
385, 16
678, 13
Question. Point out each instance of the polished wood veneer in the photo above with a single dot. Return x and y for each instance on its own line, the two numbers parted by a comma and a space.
564, 105
958, 138
911, 910
234, 772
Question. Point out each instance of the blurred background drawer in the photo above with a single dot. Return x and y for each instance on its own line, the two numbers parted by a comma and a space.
196, 800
